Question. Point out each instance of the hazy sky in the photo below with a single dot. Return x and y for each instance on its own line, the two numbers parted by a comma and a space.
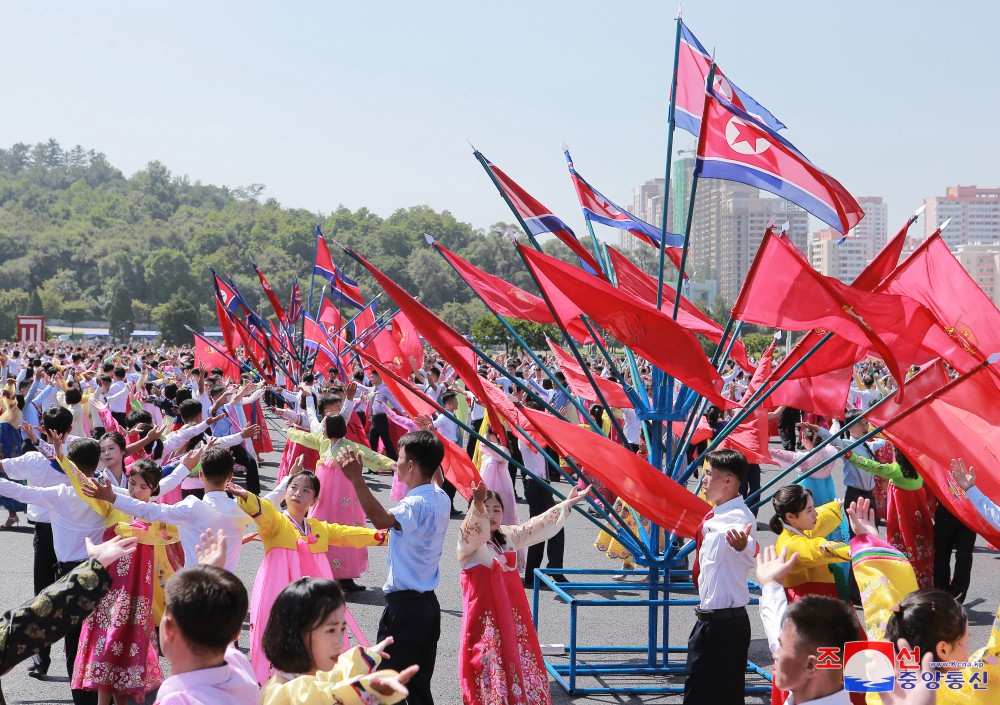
372, 103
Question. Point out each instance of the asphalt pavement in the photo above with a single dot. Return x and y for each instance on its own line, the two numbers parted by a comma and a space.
614, 625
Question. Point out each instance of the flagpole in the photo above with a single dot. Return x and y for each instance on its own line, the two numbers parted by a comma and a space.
312, 279
671, 122
568, 338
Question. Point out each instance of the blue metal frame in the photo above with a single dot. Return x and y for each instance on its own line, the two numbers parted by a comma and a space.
566, 674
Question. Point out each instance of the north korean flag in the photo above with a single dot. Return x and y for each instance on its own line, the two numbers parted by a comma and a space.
346, 289
598, 208
693, 64
227, 294
736, 146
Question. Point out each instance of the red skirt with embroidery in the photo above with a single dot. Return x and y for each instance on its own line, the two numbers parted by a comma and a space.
501, 662
117, 644
909, 527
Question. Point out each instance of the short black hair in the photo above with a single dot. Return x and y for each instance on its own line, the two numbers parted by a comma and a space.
183, 394
821, 621
334, 426
926, 617
447, 397
58, 419
149, 471
728, 460
216, 464
425, 449
216, 390
189, 410
326, 400
208, 605
135, 418
85, 453
301, 607
73, 396
309, 477
119, 373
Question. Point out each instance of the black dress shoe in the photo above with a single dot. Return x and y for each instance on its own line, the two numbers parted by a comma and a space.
348, 585
38, 669
559, 578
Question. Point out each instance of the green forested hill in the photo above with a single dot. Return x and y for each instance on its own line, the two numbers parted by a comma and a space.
74, 231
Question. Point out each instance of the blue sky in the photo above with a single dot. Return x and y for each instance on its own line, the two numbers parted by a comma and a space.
371, 104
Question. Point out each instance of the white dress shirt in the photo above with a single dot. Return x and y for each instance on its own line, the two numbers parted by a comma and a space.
724, 570
72, 519
38, 471
117, 397
192, 516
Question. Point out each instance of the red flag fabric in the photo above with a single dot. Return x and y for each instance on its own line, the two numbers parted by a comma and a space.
384, 347
822, 383
643, 286
783, 291
932, 276
762, 372
364, 320
751, 438
960, 421
329, 317
507, 299
578, 383
226, 326
208, 355
508, 411
702, 431
445, 340
408, 340
635, 323
457, 466
279, 310
652, 494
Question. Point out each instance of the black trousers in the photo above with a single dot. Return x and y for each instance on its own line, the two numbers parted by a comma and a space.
751, 483
540, 500
72, 644
951, 535
717, 661
44, 574
413, 620
242, 456
121, 417
380, 430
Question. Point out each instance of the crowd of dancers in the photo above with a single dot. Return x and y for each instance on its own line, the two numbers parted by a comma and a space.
139, 473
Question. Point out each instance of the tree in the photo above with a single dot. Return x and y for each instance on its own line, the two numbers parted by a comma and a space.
142, 311
12, 303
487, 332
52, 302
74, 312
169, 274
35, 307
461, 317
172, 317
121, 320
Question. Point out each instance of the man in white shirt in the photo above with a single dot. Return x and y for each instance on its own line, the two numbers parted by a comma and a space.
720, 641
216, 511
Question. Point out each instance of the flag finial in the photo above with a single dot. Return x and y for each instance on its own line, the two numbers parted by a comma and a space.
429, 239
945, 224
917, 213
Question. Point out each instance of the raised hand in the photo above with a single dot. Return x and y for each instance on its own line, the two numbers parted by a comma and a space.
392, 685
111, 550
296, 466
212, 548
251, 431
862, 517
103, 491
213, 419
350, 464
738, 539
380, 647
916, 696
964, 477
774, 567
351, 389
424, 422
236, 491
576, 496
479, 495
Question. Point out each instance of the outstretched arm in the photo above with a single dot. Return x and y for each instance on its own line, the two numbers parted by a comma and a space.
350, 464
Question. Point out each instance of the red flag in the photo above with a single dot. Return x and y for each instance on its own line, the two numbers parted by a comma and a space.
279, 311
456, 466
783, 291
444, 339
330, 319
642, 286
578, 383
408, 340
363, 321
751, 438
384, 347
208, 355
640, 326
702, 431
962, 420
822, 383
652, 494
226, 326
932, 276
762, 372
507, 299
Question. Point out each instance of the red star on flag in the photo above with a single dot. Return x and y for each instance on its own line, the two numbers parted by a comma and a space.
746, 134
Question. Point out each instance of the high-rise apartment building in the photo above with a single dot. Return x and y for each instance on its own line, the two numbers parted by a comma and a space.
975, 214
843, 262
874, 227
982, 262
